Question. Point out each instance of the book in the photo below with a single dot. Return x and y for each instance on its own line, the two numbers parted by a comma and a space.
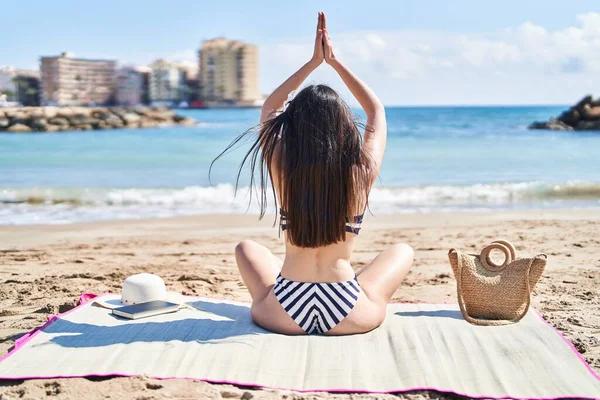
148, 309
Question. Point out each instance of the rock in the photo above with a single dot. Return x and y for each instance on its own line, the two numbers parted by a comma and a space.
226, 394
51, 128
114, 121
37, 113
102, 113
570, 117
131, 118
586, 100
10, 112
39, 124
19, 128
118, 111
585, 115
108, 117
160, 109
54, 119
154, 385
61, 121
64, 112
82, 112
160, 114
590, 113
18, 115
102, 125
142, 110
187, 122
148, 124
84, 121
21, 121
554, 125
588, 125
50, 112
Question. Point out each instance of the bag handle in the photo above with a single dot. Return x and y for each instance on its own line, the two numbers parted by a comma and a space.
491, 322
509, 245
505, 247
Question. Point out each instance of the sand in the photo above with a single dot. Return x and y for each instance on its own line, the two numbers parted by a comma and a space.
44, 269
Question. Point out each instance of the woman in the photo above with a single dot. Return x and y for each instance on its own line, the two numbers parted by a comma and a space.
321, 172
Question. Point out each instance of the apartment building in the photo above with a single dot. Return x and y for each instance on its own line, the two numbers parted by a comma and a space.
166, 79
70, 81
7, 74
20, 85
129, 87
229, 72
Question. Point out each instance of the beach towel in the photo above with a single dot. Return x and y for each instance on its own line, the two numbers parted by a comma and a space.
420, 346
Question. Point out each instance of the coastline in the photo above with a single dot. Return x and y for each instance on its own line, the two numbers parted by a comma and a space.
64, 119
45, 268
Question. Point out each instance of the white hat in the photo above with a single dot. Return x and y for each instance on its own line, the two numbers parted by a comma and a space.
141, 288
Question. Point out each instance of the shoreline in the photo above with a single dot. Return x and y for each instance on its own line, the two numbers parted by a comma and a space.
218, 222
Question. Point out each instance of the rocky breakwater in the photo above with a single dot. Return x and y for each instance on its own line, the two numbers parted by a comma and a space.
55, 119
583, 116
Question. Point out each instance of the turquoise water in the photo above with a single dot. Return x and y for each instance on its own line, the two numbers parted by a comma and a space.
438, 158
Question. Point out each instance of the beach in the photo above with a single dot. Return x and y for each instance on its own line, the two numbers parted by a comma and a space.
44, 269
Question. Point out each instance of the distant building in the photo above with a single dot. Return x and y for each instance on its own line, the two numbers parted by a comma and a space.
165, 82
20, 85
69, 81
190, 85
7, 86
129, 87
27, 84
146, 87
229, 72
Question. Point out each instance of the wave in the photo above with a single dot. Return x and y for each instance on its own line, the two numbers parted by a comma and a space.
224, 195
66, 205
482, 194
209, 198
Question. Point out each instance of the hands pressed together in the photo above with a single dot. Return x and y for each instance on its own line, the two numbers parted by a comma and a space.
323, 45
323, 51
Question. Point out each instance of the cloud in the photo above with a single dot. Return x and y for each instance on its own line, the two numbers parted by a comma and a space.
527, 63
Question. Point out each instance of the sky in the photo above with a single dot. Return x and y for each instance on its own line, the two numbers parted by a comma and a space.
410, 52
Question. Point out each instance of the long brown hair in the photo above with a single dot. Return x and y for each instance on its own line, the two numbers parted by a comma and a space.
324, 173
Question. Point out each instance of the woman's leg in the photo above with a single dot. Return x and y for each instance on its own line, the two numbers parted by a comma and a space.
378, 281
382, 277
258, 266
259, 269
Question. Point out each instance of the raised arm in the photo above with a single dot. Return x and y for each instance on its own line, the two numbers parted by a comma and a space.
376, 133
275, 101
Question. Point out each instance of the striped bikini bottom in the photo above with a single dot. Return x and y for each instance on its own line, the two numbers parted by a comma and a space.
316, 307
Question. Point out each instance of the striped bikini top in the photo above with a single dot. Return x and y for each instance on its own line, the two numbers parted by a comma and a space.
351, 226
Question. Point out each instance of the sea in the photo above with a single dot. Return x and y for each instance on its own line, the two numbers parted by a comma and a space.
438, 159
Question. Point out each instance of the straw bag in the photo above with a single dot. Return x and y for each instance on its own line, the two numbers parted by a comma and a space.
491, 294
